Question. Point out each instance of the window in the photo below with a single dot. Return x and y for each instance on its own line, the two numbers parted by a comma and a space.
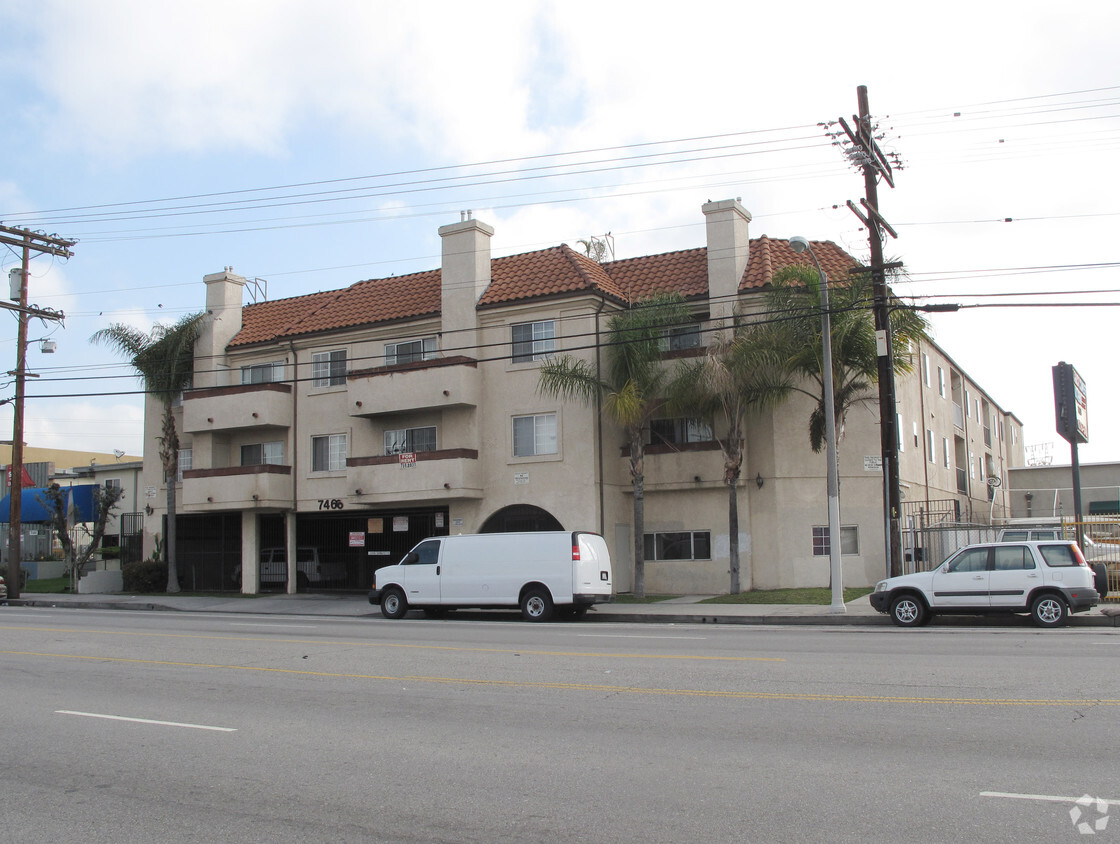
945, 452
898, 432
186, 457
930, 452
328, 369
533, 435
1013, 558
680, 431
849, 541
916, 440
112, 483
1014, 436
1059, 555
679, 545
967, 404
681, 337
925, 369
410, 352
263, 373
410, 440
257, 454
533, 341
974, 559
329, 453
427, 554
941, 382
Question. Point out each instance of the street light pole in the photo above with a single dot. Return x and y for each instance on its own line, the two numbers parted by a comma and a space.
832, 475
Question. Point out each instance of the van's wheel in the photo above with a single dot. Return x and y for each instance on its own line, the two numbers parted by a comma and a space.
536, 605
1049, 611
393, 604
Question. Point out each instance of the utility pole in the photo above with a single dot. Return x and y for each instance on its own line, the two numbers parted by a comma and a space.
42, 244
865, 153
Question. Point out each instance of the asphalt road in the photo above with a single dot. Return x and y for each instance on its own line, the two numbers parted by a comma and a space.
141, 727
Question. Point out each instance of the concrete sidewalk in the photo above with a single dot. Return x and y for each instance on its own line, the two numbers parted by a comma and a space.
684, 610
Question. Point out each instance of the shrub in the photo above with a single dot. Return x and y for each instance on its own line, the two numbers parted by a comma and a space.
23, 575
144, 576
110, 552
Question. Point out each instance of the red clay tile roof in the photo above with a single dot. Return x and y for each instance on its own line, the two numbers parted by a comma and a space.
531, 275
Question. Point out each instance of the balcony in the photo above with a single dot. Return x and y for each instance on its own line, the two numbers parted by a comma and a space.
962, 480
675, 466
449, 473
958, 416
242, 406
237, 487
424, 385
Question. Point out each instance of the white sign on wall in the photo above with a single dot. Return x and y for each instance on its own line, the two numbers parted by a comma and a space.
872, 463
520, 478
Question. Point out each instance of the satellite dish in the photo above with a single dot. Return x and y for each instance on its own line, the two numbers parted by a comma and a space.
117, 453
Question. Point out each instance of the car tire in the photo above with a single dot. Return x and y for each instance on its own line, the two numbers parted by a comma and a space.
1049, 610
393, 603
536, 604
908, 611
1100, 579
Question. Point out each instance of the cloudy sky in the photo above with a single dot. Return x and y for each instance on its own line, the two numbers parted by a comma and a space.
312, 145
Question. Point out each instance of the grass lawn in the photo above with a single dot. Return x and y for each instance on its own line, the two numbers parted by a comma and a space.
815, 595
49, 585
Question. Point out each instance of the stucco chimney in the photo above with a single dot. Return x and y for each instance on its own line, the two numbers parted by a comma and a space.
223, 304
728, 249
465, 276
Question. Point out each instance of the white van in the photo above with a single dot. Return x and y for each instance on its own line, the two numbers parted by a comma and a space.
537, 572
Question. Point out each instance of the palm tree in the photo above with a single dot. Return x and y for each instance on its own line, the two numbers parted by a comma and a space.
738, 374
631, 391
164, 362
793, 334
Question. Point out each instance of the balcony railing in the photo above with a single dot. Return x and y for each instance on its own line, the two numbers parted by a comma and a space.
242, 487
958, 415
435, 475
424, 385
238, 407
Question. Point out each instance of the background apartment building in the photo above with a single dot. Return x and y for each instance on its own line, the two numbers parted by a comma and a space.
356, 422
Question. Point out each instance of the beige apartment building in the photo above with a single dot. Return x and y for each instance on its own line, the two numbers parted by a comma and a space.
350, 424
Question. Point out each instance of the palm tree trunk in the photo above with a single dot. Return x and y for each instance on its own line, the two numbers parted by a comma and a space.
637, 476
733, 530
169, 452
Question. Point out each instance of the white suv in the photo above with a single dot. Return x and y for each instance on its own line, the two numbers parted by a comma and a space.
1049, 580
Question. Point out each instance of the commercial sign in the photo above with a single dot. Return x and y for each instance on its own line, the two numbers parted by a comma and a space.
1071, 410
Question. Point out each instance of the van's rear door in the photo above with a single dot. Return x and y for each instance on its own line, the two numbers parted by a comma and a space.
591, 566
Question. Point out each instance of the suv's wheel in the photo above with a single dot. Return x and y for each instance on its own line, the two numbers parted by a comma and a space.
908, 611
393, 604
1100, 579
1049, 611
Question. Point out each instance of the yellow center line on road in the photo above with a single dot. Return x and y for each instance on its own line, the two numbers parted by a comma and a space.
596, 687
518, 651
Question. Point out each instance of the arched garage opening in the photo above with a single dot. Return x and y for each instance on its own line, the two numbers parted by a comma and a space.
520, 518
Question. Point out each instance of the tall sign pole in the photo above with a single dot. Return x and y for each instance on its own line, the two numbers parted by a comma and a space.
1071, 417
29, 242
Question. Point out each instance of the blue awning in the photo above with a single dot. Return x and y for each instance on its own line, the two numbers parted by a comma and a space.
33, 503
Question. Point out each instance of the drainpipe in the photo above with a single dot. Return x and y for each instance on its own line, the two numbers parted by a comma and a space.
292, 552
599, 419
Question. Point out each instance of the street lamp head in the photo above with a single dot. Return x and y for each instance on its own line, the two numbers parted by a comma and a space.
799, 244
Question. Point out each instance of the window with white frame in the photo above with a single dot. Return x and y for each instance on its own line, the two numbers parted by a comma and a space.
680, 431
971, 465
678, 545
917, 441
410, 440
533, 340
534, 435
328, 369
263, 373
186, 459
898, 432
930, 452
112, 483
259, 454
945, 455
849, 541
941, 382
967, 404
925, 369
329, 452
680, 337
410, 351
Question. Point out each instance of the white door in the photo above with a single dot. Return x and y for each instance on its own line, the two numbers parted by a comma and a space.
421, 576
963, 580
1014, 574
